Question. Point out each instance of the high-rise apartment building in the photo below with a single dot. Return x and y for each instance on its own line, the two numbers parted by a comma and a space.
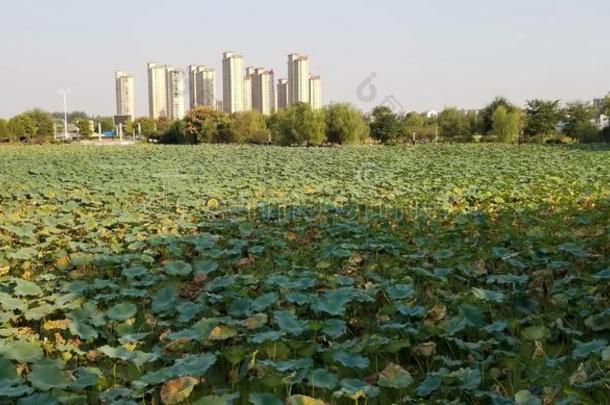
125, 94
233, 82
175, 93
202, 86
298, 79
157, 91
282, 93
247, 93
315, 92
263, 92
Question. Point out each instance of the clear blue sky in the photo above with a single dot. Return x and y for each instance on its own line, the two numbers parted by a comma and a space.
428, 54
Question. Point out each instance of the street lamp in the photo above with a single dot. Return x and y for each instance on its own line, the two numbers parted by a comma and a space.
65, 93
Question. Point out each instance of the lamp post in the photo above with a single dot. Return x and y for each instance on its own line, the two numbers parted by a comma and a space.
65, 93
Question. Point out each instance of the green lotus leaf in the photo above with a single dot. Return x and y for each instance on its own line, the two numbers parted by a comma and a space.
289, 323
264, 399
394, 376
14, 388
536, 332
355, 389
430, 384
23, 352
524, 397
488, 295
122, 311
351, 360
400, 291
27, 289
178, 268
48, 375
322, 378
584, 350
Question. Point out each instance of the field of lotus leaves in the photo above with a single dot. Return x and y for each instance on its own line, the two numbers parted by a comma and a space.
239, 274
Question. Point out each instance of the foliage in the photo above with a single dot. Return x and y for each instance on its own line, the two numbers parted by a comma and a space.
219, 273
455, 124
298, 124
249, 127
542, 118
485, 121
385, 125
578, 117
84, 128
4, 131
147, 127
107, 123
506, 126
207, 125
177, 134
345, 125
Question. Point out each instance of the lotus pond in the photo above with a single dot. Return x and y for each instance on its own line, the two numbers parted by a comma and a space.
238, 274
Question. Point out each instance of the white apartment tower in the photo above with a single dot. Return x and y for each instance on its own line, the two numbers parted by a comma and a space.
233, 82
125, 97
202, 86
175, 93
282, 93
298, 79
263, 92
247, 93
157, 90
315, 92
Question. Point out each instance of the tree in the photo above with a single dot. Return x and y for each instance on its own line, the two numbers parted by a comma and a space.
453, 123
542, 118
345, 125
206, 125
147, 126
249, 127
44, 126
84, 127
176, 134
414, 123
298, 124
485, 119
4, 132
578, 118
507, 124
107, 123
22, 127
385, 125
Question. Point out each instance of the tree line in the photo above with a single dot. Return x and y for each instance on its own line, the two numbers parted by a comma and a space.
540, 121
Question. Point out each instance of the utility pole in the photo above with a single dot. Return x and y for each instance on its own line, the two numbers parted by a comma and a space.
99, 131
65, 94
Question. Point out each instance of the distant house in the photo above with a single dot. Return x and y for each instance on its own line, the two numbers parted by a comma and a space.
60, 131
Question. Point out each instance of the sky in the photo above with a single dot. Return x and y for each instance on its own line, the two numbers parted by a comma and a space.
417, 55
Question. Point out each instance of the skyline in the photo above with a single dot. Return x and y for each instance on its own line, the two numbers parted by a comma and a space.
425, 55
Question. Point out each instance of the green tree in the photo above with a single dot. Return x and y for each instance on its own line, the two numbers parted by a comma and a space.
414, 123
577, 120
146, 125
542, 117
206, 125
345, 125
485, 121
43, 123
84, 127
107, 123
249, 127
176, 134
506, 124
22, 127
385, 125
453, 123
298, 124
4, 132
